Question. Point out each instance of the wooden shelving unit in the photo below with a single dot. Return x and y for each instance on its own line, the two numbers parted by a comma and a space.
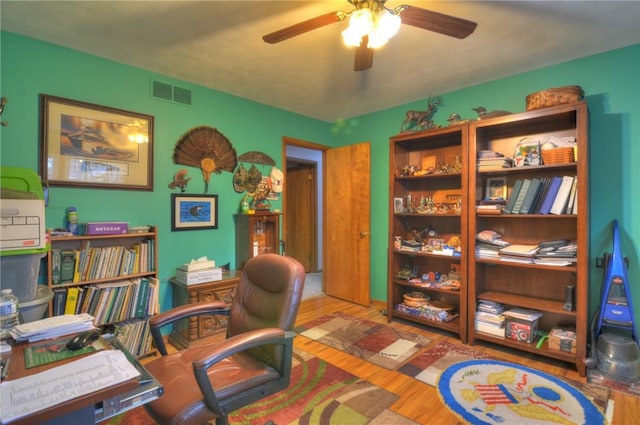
256, 234
436, 213
112, 298
532, 286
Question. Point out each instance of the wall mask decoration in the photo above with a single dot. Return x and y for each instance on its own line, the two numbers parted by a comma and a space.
205, 148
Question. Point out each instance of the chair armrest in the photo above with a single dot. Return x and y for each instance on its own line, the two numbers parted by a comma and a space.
181, 312
235, 344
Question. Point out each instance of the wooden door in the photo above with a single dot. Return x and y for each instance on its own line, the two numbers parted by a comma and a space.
301, 215
346, 244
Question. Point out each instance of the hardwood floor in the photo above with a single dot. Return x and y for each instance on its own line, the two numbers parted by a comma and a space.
419, 401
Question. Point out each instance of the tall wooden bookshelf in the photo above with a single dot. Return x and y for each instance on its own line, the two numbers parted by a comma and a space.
526, 285
428, 195
114, 279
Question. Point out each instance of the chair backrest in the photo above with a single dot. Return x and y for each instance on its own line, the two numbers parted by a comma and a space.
268, 294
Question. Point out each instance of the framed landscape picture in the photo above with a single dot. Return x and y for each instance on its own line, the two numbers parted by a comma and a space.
87, 145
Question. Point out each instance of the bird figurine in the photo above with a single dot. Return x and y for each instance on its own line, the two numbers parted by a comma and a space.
205, 148
483, 114
454, 119
180, 180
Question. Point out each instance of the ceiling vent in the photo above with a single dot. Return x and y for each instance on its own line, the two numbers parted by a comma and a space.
165, 91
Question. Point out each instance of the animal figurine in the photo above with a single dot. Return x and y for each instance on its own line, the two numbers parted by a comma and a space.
3, 101
180, 180
422, 119
483, 114
454, 119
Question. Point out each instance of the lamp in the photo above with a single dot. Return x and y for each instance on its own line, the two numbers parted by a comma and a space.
378, 23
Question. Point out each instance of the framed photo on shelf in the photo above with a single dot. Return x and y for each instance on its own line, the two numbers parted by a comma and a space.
496, 188
88, 145
398, 205
194, 212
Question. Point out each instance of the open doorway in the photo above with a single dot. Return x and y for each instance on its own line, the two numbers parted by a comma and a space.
302, 226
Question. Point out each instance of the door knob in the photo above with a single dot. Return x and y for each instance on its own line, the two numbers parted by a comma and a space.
364, 235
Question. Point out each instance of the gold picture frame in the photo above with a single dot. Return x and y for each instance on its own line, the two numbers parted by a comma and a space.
88, 145
496, 189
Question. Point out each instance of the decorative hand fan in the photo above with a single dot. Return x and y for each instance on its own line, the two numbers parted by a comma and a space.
205, 148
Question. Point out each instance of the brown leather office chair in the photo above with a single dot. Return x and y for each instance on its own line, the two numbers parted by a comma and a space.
207, 382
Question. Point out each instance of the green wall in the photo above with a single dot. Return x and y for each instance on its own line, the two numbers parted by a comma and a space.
30, 67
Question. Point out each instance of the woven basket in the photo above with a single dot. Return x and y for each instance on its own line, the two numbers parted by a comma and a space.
554, 96
557, 156
416, 299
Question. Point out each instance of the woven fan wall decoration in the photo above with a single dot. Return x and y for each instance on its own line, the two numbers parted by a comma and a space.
205, 148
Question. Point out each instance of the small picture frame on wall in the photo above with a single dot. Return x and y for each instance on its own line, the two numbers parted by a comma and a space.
194, 212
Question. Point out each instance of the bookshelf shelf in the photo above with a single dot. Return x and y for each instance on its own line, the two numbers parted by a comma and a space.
112, 277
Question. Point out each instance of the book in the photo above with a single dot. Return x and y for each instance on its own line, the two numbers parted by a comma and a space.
572, 196
551, 195
67, 264
512, 198
521, 194
530, 196
56, 256
520, 250
72, 299
560, 203
544, 188
59, 300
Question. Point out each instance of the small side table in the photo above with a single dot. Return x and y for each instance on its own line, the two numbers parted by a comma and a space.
187, 331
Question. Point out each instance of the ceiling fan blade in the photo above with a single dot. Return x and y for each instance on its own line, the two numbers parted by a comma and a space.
302, 27
437, 22
364, 56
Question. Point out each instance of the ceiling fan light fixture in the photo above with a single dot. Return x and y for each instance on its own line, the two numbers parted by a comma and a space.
360, 24
386, 26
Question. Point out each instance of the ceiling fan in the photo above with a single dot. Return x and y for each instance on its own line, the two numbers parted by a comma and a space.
372, 24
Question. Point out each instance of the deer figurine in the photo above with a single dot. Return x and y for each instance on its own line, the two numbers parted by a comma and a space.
422, 119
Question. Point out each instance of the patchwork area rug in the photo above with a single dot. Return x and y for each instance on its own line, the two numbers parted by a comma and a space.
492, 391
319, 394
429, 364
377, 343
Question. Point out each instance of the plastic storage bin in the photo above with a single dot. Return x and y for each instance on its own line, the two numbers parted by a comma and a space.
34, 310
20, 272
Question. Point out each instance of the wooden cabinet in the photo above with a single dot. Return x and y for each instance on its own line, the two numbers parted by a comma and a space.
256, 234
428, 227
187, 331
527, 285
112, 277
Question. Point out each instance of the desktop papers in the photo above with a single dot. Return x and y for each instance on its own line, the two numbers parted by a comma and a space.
52, 327
33, 393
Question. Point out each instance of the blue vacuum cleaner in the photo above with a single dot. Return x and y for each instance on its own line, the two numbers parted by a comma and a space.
614, 348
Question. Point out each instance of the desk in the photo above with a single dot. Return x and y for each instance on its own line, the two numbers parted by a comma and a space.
90, 407
187, 331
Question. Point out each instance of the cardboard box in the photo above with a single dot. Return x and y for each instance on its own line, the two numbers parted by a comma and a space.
562, 340
521, 330
105, 228
199, 265
22, 223
199, 276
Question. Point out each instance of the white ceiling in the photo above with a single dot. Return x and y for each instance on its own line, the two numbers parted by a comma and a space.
218, 44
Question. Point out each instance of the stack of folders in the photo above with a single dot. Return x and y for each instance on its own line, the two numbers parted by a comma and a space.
489, 318
490, 160
556, 253
546, 195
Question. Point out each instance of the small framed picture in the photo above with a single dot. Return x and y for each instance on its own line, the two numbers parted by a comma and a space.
398, 205
194, 212
496, 188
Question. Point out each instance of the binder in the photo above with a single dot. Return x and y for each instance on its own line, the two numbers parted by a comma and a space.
530, 196
520, 199
514, 194
551, 195
544, 188
560, 203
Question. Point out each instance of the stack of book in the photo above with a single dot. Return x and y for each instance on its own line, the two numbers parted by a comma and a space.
489, 247
490, 160
519, 253
546, 195
489, 318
